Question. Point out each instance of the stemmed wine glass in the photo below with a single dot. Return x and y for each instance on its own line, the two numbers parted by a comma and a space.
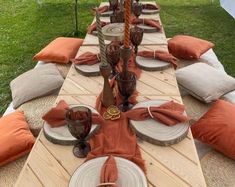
126, 87
113, 56
136, 35
113, 4
79, 124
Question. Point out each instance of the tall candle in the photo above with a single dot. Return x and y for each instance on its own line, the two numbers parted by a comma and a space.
101, 40
127, 23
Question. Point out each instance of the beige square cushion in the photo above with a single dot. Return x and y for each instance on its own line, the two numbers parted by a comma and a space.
35, 83
204, 82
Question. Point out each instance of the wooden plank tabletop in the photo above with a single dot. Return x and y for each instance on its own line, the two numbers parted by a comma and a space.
174, 166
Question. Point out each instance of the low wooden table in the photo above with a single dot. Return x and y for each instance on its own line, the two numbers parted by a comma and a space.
178, 165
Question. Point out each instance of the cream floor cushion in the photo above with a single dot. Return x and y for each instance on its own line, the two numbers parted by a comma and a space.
63, 68
208, 57
205, 82
35, 83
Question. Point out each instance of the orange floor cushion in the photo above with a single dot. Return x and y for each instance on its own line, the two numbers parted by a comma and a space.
188, 47
60, 50
16, 139
217, 128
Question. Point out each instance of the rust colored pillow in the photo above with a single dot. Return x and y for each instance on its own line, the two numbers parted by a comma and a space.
188, 47
16, 139
60, 50
217, 128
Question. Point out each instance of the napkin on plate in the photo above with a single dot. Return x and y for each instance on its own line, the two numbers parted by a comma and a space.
149, 6
56, 116
86, 58
161, 55
92, 27
109, 173
102, 9
149, 22
169, 113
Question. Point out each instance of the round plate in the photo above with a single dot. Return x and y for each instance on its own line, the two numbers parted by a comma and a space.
151, 64
148, 29
106, 14
88, 174
113, 31
147, 11
155, 132
88, 70
62, 136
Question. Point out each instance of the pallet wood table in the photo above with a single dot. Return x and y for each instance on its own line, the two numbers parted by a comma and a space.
177, 165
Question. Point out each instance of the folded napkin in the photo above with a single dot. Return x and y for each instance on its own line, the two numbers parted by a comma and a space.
161, 55
86, 58
150, 6
149, 22
92, 27
102, 9
56, 116
169, 113
109, 173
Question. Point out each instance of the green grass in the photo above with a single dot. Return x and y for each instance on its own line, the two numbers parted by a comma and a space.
26, 27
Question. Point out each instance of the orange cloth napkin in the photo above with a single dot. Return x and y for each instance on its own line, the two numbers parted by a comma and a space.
56, 116
149, 22
116, 137
92, 27
102, 9
109, 172
86, 58
161, 55
150, 6
169, 113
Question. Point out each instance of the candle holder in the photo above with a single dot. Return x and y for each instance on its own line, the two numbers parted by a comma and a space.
113, 56
113, 4
137, 9
107, 95
126, 87
136, 37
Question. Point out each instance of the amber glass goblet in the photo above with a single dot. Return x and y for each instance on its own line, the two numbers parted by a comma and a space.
113, 56
113, 4
137, 9
126, 87
117, 16
136, 37
79, 125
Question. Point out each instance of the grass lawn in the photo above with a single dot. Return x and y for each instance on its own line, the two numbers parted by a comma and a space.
26, 27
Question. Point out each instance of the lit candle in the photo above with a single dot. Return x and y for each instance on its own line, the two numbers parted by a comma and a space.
101, 40
127, 23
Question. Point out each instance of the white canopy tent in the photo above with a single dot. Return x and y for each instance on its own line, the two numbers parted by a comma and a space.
229, 6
